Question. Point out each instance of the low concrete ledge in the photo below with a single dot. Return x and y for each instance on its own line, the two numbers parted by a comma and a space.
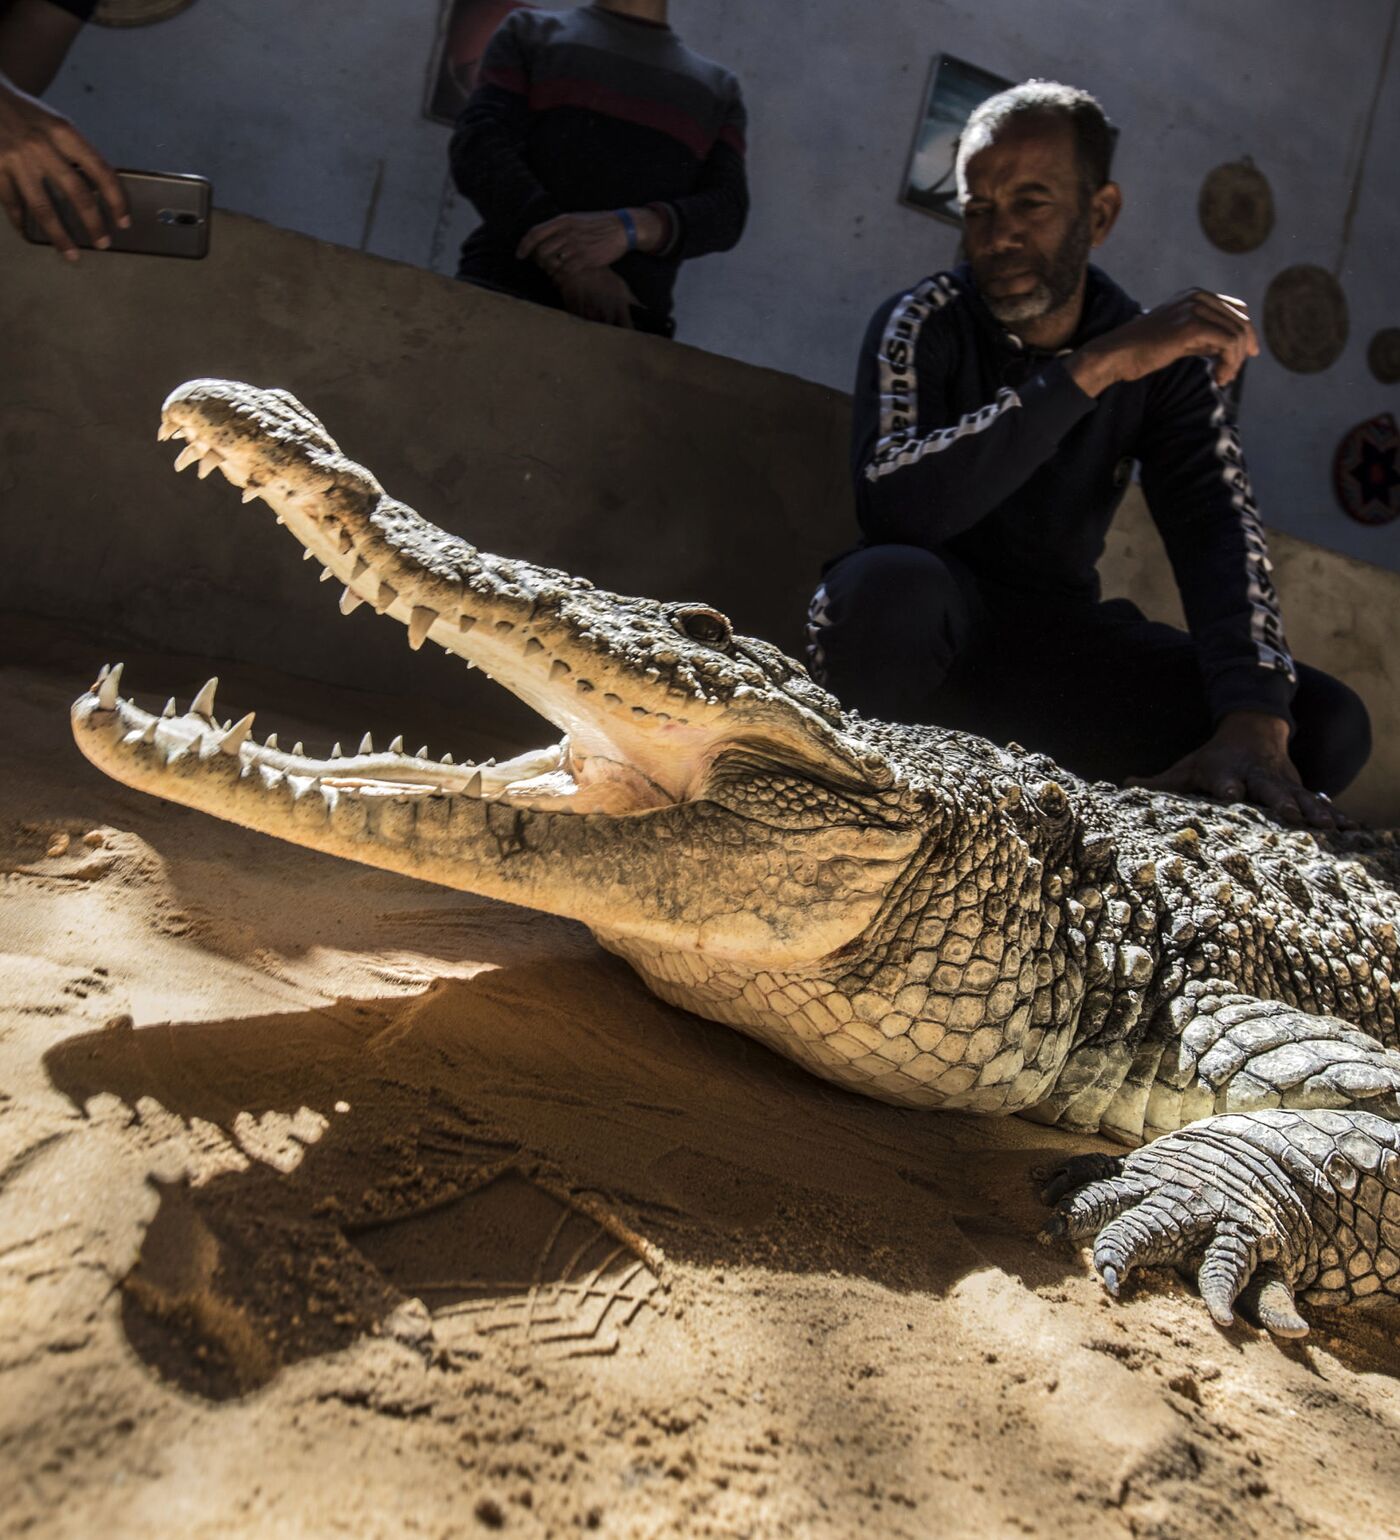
647, 466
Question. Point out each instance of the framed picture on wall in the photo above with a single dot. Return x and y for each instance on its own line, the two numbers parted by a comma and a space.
954, 89
464, 30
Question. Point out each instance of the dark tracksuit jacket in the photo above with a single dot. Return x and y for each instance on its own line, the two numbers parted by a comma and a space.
967, 442
585, 110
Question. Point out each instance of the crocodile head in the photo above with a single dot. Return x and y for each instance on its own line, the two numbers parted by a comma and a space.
705, 793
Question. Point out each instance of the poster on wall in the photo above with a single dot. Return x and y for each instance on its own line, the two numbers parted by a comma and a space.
954, 89
464, 30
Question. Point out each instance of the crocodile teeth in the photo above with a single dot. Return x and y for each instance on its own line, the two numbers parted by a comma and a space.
208, 462
107, 690
149, 736
203, 703
387, 595
251, 494
169, 708
419, 624
307, 552
326, 575
422, 753
474, 785
232, 740
446, 759
169, 430
298, 749
187, 457
272, 740
350, 601
336, 752
396, 747
366, 744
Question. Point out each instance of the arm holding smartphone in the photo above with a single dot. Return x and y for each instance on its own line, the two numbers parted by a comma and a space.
38, 144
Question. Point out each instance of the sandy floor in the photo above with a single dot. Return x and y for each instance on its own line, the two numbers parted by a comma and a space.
332, 1204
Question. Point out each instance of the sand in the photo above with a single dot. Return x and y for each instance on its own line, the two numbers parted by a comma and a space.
334, 1204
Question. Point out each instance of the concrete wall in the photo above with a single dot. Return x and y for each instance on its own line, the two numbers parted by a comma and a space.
647, 466
310, 116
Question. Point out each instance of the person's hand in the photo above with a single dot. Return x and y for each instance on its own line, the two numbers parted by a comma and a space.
573, 244
600, 296
37, 143
1246, 760
1195, 324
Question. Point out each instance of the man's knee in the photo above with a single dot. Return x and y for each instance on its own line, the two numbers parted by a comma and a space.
888, 599
1333, 741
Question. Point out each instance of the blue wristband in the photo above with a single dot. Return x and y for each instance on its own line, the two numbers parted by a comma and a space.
629, 225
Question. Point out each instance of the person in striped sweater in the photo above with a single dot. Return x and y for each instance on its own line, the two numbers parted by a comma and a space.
601, 153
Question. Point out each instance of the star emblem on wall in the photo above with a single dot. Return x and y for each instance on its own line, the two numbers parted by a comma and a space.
1366, 471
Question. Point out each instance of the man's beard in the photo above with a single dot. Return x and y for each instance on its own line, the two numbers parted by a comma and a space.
1057, 279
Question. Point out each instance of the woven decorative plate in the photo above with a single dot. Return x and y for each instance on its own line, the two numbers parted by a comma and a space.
1236, 206
1305, 318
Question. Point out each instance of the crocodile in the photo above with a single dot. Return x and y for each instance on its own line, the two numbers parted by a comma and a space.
912, 913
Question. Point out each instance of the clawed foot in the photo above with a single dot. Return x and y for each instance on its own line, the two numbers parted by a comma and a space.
1198, 1199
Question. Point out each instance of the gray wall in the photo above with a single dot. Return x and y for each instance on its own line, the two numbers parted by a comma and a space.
310, 116
648, 466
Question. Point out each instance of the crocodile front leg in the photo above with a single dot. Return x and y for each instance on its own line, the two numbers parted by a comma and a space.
1288, 1183
1267, 1205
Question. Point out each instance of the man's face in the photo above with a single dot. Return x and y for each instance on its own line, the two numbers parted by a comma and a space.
1028, 224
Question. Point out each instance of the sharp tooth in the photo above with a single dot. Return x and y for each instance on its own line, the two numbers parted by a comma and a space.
335, 752
187, 456
474, 785
165, 431
169, 708
298, 749
107, 690
387, 595
103, 672
149, 736
209, 462
326, 575
307, 554
422, 753
558, 669
419, 624
233, 738
272, 740
446, 759
350, 601
396, 747
203, 703
251, 494
366, 744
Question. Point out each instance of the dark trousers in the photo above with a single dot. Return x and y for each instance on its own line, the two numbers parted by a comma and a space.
903, 635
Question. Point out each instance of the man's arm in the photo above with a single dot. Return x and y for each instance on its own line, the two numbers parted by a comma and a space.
924, 472
712, 216
487, 150
39, 145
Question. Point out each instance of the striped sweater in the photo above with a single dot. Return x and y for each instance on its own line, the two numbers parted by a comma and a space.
966, 440
582, 110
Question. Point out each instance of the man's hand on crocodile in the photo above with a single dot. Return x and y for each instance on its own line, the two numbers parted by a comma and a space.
1263, 1206
1246, 760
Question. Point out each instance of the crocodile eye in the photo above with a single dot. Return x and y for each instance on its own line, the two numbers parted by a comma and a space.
698, 624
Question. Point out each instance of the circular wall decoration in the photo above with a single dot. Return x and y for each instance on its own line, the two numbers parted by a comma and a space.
1305, 318
136, 13
1236, 206
1384, 355
1365, 473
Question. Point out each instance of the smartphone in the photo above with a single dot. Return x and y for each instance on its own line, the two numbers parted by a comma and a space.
169, 216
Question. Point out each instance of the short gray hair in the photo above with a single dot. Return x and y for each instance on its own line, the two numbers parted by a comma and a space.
1093, 134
